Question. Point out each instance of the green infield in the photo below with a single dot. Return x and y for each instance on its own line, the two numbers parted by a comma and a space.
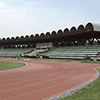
67, 60
99, 70
5, 65
90, 92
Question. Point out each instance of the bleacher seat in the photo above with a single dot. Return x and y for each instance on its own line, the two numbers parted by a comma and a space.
14, 51
74, 51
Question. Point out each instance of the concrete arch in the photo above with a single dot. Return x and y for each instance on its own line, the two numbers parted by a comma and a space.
66, 31
81, 28
60, 33
12, 39
22, 37
3, 39
42, 35
17, 38
31, 36
37, 35
8, 39
48, 35
73, 30
89, 27
26, 37
53, 34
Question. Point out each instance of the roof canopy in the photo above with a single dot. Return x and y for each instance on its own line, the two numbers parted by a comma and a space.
92, 27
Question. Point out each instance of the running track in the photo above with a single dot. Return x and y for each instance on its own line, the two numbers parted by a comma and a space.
43, 80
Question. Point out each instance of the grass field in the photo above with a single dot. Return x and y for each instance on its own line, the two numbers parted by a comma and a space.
90, 92
99, 70
4, 65
66, 60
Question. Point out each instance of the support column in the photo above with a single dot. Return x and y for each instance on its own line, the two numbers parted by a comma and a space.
91, 41
98, 40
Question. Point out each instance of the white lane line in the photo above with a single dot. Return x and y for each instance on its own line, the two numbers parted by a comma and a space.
38, 82
15, 78
75, 87
31, 79
45, 87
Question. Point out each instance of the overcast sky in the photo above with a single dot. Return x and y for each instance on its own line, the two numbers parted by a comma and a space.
26, 17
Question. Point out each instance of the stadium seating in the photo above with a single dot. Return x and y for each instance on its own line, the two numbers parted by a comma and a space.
74, 51
14, 51
55, 52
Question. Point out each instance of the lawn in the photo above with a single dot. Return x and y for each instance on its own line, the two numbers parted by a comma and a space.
90, 92
5, 65
67, 60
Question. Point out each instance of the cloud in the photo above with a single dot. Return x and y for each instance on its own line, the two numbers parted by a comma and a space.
12, 21
23, 17
2, 5
33, 2
22, 21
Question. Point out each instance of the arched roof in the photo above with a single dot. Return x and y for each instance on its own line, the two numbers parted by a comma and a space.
26, 36
59, 33
17, 37
3, 39
92, 27
96, 27
48, 34
81, 28
66, 31
22, 37
89, 27
73, 30
12, 38
31, 36
53, 33
42, 35
8, 38
57, 36
37, 35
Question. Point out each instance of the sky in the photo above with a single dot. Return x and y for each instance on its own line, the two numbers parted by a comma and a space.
26, 17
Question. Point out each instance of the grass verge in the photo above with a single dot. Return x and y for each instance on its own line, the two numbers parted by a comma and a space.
90, 92
5, 65
66, 60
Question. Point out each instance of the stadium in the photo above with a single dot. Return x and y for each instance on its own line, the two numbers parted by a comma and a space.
73, 43
40, 80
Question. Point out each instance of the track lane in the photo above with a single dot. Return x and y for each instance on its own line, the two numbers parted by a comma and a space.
49, 80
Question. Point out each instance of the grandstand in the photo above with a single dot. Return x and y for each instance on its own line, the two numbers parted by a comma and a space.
14, 52
74, 51
69, 43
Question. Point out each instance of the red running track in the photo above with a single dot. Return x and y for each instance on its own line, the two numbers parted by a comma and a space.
44, 80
